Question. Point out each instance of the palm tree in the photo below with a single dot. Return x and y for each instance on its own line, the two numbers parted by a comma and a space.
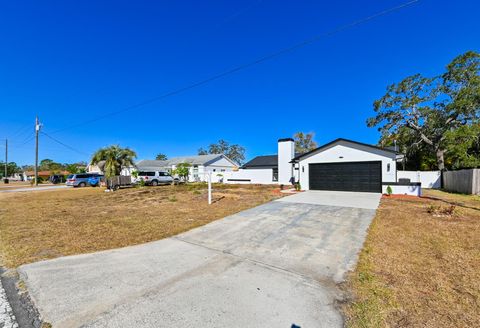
114, 158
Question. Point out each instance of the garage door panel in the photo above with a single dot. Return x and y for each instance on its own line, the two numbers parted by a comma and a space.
348, 176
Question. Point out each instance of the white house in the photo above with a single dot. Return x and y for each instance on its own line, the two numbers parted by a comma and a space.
340, 165
346, 165
200, 166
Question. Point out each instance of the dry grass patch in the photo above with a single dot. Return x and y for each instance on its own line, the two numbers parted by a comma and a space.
43, 225
419, 267
14, 185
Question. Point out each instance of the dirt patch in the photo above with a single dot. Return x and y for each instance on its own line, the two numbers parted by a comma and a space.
420, 266
38, 226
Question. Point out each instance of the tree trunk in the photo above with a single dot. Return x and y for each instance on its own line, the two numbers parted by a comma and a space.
440, 159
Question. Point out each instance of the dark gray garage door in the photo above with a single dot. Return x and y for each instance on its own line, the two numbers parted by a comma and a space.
349, 176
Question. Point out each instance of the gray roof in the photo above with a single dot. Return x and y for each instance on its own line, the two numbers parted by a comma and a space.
263, 161
192, 160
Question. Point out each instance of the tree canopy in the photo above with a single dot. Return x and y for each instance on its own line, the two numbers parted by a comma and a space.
182, 170
161, 157
234, 152
12, 168
115, 158
304, 142
435, 117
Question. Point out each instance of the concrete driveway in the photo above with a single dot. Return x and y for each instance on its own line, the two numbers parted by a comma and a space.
275, 265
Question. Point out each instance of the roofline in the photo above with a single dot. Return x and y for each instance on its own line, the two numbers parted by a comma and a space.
222, 156
205, 163
338, 140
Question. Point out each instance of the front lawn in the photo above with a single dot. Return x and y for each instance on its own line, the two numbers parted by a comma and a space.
420, 266
47, 224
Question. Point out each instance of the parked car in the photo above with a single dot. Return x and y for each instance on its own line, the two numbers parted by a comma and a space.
155, 178
83, 179
56, 178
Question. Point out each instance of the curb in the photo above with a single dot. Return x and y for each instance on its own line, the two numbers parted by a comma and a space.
25, 313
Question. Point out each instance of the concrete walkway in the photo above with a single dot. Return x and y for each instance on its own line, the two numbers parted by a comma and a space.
275, 265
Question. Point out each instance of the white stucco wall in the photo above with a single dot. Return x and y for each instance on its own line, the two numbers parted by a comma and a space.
404, 190
429, 179
258, 176
349, 152
286, 152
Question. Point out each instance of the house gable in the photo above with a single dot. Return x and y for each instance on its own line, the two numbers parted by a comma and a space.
221, 160
354, 145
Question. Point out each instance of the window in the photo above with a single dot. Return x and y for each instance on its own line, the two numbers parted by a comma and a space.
222, 170
148, 174
214, 170
275, 174
388, 167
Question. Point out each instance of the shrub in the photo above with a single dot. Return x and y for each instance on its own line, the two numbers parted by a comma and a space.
389, 190
40, 180
432, 209
441, 210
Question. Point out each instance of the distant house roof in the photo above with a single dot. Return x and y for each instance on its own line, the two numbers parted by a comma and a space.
192, 160
266, 161
339, 140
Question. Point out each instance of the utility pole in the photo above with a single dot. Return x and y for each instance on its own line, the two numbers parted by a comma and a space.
6, 159
37, 129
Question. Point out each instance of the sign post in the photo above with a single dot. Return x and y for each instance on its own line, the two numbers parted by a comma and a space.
209, 188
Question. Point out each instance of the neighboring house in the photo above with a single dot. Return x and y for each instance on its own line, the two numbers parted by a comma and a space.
200, 166
340, 165
98, 168
43, 174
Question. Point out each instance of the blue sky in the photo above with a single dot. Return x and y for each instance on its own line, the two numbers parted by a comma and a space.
71, 61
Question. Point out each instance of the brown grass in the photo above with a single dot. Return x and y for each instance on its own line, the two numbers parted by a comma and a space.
14, 185
42, 225
419, 268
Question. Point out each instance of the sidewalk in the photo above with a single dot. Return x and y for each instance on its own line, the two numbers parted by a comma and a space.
7, 319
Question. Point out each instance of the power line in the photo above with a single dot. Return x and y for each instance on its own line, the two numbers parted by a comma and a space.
247, 65
21, 131
63, 144
28, 139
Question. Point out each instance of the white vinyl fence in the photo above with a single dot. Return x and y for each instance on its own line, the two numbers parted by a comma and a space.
429, 179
